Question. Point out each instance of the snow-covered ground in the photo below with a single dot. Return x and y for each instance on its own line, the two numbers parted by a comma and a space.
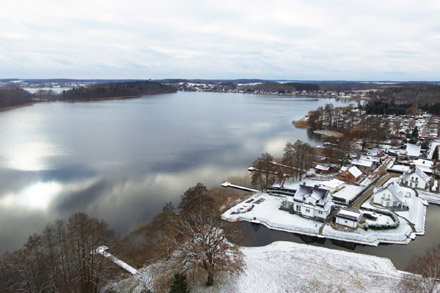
292, 267
431, 197
268, 214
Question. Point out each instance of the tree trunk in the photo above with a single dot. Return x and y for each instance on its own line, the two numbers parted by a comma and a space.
210, 280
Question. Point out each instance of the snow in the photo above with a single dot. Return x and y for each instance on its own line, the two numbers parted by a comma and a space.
292, 267
333, 184
268, 214
102, 250
355, 171
399, 168
349, 192
432, 147
413, 150
430, 196
363, 163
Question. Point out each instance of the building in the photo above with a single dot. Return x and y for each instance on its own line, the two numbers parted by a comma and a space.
413, 151
348, 218
415, 178
365, 166
392, 196
311, 202
424, 165
351, 175
321, 169
333, 185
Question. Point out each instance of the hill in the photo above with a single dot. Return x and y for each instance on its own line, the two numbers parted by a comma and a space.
113, 90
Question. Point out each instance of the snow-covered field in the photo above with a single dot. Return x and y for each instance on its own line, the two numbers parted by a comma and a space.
293, 267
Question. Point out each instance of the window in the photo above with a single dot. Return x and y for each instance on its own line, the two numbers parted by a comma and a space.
320, 212
298, 208
307, 210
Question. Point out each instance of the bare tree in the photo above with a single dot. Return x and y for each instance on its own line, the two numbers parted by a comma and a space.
427, 273
265, 173
59, 260
200, 243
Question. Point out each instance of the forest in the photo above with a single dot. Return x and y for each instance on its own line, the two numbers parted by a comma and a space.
14, 97
117, 90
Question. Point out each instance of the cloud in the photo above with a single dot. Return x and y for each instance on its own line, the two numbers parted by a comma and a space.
229, 39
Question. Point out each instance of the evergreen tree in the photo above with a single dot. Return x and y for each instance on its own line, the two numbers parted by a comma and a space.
179, 284
435, 154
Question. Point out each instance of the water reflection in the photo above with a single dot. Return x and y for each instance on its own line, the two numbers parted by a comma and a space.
122, 160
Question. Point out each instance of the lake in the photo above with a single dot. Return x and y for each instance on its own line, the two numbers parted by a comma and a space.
121, 160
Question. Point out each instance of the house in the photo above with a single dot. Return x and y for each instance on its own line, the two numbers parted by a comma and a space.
413, 151
348, 218
321, 169
375, 160
311, 202
351, 175
415, 178
333, 185
392, 196
424, 165
365, 166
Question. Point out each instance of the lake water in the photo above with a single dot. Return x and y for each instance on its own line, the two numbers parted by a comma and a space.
121, 160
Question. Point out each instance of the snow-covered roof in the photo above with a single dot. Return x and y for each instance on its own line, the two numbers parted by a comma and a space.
396, 190
355, 171
349, 215
322, 167
419, 172
370, 158
413, 150
424, 163
363, 163
334, 183
317, 193
399, 168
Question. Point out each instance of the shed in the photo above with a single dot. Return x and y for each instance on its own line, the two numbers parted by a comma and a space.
348, 218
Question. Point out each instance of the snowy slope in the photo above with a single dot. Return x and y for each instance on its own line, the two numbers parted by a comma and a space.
292, 267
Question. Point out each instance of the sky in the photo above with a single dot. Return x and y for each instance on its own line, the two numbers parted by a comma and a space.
293, 40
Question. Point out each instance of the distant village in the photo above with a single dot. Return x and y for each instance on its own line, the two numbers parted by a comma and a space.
366, 187
257, 89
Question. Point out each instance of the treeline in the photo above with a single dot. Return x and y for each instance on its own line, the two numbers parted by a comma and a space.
388, 108
420, 93
117, 89
271, 86
433, 108
60, 259
304, 86
14, 97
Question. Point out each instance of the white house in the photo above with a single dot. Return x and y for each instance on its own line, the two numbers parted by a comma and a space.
391, 195
348, 218
415, 178
311, 202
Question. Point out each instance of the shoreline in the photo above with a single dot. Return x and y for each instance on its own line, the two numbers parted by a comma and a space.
16, 106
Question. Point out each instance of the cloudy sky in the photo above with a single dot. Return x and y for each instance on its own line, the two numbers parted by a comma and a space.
294, 39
